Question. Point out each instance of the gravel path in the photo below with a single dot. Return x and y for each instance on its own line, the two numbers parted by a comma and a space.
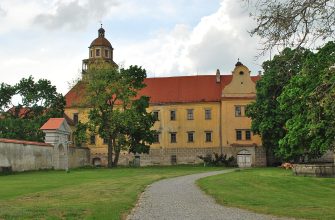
179, 198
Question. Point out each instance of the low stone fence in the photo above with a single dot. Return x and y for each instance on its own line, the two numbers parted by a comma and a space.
19, 155
319, 170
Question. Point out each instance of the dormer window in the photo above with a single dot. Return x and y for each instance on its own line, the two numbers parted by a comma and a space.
97, 52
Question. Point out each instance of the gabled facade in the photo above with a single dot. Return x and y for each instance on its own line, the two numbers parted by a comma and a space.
197, 115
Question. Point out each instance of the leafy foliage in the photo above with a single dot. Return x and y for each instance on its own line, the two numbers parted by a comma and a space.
294, 108
219, 160
79, 134
310, 97
117, 114
268, 119
26, 106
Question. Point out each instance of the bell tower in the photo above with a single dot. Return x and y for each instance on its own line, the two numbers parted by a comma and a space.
99, 50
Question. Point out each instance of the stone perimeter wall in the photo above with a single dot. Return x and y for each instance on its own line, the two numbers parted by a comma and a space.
79, 157
319, 170
185, 156
24, 156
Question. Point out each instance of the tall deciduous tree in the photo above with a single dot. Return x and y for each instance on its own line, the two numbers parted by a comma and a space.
310, 98
117, 114
26, 106
268, 119
293, 23
294, 108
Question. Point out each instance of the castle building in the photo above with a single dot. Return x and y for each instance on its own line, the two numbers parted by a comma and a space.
197, 115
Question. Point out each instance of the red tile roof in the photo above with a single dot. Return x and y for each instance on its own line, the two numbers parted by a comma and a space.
184, 89
5, 140
180, 89
75, 95
53, 124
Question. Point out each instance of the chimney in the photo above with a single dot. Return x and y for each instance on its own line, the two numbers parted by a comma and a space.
218, 77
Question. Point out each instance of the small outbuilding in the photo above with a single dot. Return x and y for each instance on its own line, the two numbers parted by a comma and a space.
57, 133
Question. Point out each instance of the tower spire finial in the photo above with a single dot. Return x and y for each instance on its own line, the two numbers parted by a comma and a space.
101, 31
238, 62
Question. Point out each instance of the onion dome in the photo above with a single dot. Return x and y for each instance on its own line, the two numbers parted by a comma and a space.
101, 40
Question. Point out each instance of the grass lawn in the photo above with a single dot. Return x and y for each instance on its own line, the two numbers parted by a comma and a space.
80, 194
274, 191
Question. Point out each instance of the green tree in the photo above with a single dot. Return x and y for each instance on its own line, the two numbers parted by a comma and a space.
26, 106
268, 119
79, 134
139, 129
117, 114
310, 98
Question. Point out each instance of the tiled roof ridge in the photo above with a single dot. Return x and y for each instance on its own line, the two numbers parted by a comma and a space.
14, 141
202, 75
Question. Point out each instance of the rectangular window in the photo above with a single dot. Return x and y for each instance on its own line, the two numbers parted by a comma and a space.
208, 136
105, 140
156, 138
238, 135
173, 137
190, 136
106, 53
208, 114
248, 135
91, 53
189, 114
75, 118
97, 52
172, 115
156, 115
238, 111
92, 139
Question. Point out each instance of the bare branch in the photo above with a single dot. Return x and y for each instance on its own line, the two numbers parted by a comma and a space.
293, 23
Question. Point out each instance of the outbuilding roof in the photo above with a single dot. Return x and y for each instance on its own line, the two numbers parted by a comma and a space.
53, 124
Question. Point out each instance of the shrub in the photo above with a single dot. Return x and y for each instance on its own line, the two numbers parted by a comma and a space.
218, 160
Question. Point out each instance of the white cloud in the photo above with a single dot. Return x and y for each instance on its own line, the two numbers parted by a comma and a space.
217, 41
74, 14
17, 15
3, 12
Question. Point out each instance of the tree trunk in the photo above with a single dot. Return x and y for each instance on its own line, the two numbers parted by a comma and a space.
110, 152
116, 155
116, 158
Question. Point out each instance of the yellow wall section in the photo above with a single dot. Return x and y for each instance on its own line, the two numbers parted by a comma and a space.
239, 92
230, 123
199, 125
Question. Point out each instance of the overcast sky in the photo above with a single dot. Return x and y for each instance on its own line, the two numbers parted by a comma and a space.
49, 38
